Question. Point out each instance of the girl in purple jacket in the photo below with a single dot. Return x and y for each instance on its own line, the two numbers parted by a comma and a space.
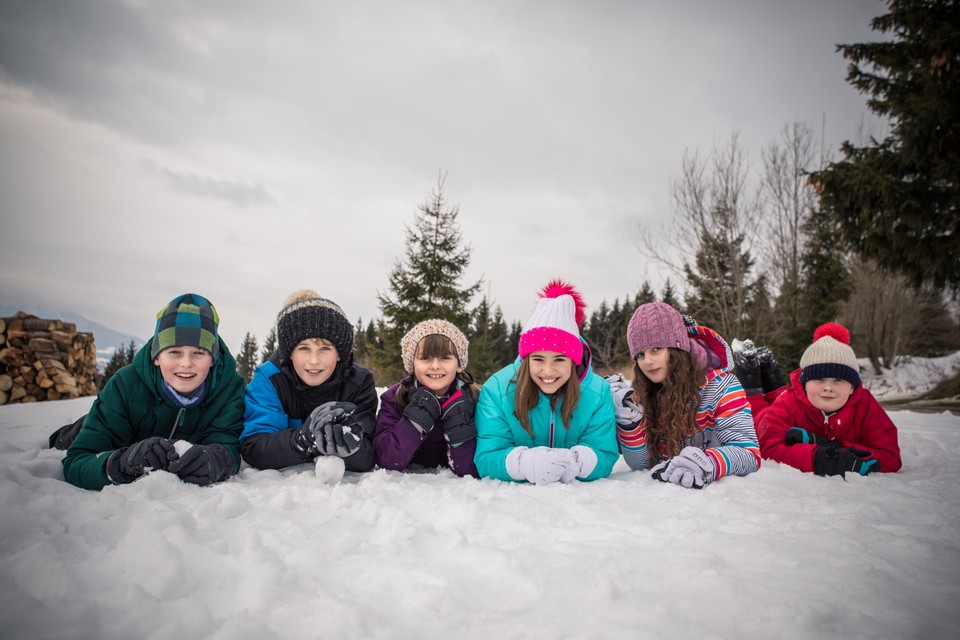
427, 418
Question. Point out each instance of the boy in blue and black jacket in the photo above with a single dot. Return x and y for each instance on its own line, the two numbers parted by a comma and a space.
310, 398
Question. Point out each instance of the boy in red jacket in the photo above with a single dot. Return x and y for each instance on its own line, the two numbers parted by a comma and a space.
825, 421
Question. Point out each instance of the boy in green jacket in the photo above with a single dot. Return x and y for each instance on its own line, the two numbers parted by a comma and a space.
185, 387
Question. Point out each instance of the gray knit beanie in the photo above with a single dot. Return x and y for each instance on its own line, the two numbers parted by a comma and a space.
306, 315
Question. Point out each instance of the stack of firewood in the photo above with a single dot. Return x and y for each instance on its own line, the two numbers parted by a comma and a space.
45, 360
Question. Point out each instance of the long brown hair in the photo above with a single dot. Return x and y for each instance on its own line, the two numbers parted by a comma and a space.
436, 346
670, 407
527, 395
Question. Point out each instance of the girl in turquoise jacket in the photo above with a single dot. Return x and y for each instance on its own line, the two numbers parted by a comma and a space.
547, 417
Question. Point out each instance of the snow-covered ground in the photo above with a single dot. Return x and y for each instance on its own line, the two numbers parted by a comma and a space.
910, 377
428, 555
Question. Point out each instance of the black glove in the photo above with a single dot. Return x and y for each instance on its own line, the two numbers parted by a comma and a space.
833, 460
308, 436
203, 464
796, 435
457, 418
129, 463
337, 439
422, 409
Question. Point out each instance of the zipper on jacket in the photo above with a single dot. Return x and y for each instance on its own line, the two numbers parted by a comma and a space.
176, 423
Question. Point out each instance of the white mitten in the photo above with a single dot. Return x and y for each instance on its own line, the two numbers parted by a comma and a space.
539, 465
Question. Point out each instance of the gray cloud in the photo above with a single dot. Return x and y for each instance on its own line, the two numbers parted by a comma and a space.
239, 194
302, 135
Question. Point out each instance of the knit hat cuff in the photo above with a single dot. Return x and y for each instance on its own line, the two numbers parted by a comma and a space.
435, 326
551, 339
823, 370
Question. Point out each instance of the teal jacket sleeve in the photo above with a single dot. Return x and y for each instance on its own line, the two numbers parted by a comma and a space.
494, 436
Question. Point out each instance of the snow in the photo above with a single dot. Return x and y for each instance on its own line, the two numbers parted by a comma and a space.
910, 376
273, 554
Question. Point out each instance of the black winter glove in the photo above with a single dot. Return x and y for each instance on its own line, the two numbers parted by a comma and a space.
833, 460
203, 464
422, 409
796, 435
457, 418
337, 439
129, 463
308, 437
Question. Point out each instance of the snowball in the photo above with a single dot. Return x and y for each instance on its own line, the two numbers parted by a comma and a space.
330, 469
181, 446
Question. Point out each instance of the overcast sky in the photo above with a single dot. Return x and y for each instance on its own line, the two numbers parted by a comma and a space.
243, 150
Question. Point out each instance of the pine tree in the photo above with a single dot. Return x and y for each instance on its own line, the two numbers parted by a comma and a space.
269, 345
359, 342
600, 333
898, 199
482, 359
720, 290
120, 358
426, 285
825, 285
247, 358
669, 296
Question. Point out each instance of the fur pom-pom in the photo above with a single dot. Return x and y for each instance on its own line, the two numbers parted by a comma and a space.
557, 288
300, 294
836, 331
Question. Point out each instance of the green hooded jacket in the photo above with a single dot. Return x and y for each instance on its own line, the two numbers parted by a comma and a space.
133, 407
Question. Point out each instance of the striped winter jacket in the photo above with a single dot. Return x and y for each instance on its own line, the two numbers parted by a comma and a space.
726, 431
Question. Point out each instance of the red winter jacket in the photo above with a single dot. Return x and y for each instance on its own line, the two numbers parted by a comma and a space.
860, 423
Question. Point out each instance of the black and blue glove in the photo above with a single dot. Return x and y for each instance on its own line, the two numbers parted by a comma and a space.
833, 460
796, 435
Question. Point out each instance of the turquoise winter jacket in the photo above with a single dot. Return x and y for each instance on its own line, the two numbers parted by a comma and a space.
593, 424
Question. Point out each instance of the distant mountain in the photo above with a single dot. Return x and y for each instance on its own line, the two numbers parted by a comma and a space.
106, 339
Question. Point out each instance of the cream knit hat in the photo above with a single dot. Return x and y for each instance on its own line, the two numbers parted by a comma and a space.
830, 356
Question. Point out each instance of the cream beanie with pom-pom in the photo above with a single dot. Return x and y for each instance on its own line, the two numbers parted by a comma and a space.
830, 356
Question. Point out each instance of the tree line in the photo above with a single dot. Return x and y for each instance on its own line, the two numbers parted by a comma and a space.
871, 239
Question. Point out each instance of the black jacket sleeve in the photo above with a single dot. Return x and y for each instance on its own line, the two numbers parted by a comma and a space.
273, 450
363, 393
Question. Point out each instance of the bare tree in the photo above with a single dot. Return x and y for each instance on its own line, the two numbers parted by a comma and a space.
788, 200
710, 236
879, 313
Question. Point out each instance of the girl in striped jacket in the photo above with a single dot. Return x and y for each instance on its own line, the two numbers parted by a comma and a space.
686, 416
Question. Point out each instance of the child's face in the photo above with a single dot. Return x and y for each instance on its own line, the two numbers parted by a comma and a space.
184, 368
436, 373
314, 360
550, 370
828, 394
654, 363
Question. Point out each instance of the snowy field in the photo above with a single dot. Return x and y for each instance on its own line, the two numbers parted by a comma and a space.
428, 555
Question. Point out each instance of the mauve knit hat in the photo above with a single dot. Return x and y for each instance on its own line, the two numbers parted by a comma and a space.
306, 315
830, 356
657, 324
554, 325
187, 320
409, 342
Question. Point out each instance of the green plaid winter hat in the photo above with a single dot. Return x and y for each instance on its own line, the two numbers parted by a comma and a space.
188, 320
